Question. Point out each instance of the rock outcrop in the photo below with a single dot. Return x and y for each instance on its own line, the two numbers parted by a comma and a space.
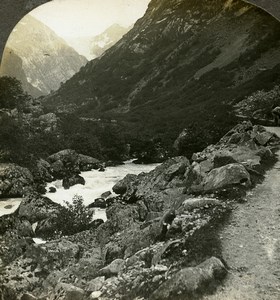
14, 180
67, 164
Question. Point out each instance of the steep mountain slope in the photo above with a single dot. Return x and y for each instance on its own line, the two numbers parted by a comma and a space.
15, 69
46, 59
107, 39
93, 46
185, 61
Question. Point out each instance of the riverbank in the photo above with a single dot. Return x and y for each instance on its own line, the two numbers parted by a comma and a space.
161, 238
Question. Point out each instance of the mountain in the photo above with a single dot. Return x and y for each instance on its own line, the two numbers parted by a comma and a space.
15, 69
107, 39
184, 64
46, 58
93, 46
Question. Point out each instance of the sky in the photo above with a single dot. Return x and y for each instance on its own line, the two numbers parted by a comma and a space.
78, 18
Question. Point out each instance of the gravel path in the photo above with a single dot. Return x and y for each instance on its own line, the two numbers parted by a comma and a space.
251, 243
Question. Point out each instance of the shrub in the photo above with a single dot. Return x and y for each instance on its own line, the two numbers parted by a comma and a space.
74, 218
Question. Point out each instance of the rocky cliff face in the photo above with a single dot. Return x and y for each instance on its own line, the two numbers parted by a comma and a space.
107, 39
181, 63
46, 59
15, 69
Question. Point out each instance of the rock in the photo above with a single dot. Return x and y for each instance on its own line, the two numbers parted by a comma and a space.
87, 163
42, 172
57, 169
24, 228
28, 296
96, 223
96, 284
190, 283
95, 295
53, 255
263, 138
46, 228
224, 177
52, 189
35, 207
99, 202
7, 293
64, 163
168, 175
122, 186
264, 153
235, 138
73, 180
113, 269
190, 204
15, 181
62, 155
106, 194
221, 160
71, 292
160, 268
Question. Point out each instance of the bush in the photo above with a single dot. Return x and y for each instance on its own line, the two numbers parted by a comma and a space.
74, 218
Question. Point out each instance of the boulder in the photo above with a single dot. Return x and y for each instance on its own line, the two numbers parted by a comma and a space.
70, 291
263, 138
225, 177
35, 208
64, 163
113, 269
169, 174
194, 203
42, 172
7, 293
190, 283
46, 228
63, 155
87, 163
96, 284
24, 228
126, 185
52, 189
15, 181
99, 202
27, 296
53, 255
221, 160
67, 182
96, 223
95, 295
106, 194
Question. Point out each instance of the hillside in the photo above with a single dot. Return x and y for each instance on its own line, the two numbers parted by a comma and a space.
46, 61
93, 46
184, 62
107, 39
15, 69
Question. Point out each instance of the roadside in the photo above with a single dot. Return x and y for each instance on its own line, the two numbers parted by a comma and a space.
251, 243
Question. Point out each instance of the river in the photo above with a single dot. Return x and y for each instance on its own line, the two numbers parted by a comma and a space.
96, 184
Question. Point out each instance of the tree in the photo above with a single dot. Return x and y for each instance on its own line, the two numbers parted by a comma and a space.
74, 217
11, 93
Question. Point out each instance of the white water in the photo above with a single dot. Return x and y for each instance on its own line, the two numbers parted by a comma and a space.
9, 206
96, 184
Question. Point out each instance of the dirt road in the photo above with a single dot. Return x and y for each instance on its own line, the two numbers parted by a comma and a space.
251, 243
